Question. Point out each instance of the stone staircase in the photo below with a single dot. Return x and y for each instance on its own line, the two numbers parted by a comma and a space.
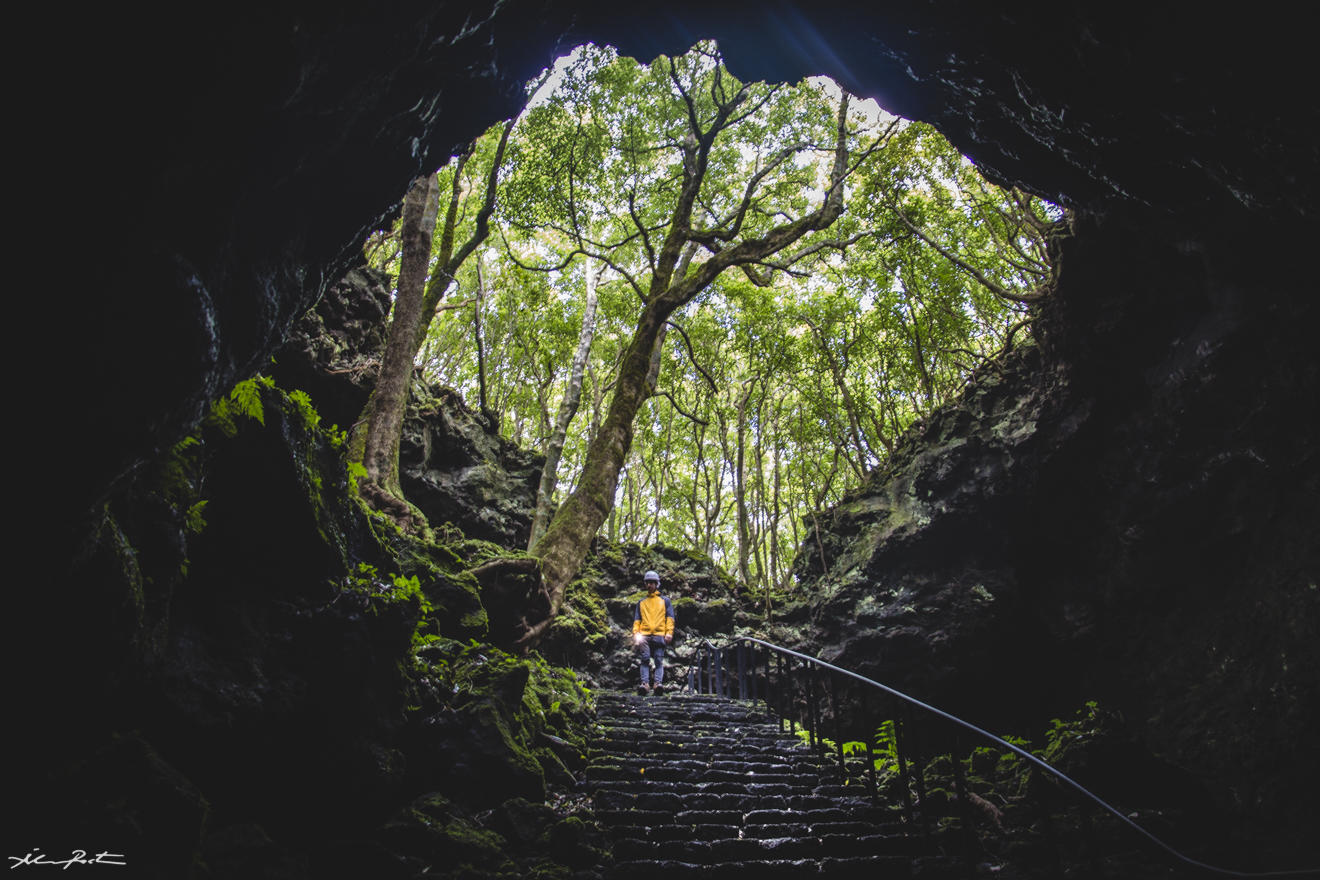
693, 786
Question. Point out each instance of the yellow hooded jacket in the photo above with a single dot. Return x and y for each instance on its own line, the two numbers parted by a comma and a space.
654, 616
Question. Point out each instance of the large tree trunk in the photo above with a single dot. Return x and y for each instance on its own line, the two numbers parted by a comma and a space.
377, 434
568, 408
382, 424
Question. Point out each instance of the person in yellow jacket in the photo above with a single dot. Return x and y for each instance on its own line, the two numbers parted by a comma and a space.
653, 629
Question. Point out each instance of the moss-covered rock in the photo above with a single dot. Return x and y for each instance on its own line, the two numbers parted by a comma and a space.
442, 835
490, 726
577, 637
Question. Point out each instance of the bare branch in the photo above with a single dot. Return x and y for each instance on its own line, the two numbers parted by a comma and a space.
641, 227
692, 355
740, 213
988, 283
687, 415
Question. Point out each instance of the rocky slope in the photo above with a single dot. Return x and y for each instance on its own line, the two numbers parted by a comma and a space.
457, 469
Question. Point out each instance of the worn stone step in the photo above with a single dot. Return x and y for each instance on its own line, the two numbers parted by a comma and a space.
805, 787
712, 817
714, 745
819, 828
661, 771
880, 868
686, 831
749, 765
759, 763
649, 730
880, 816
675, 833
754, 798
724, 851
740, 847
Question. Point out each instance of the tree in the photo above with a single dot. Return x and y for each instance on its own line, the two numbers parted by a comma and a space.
680, 148
378, 431
568, 408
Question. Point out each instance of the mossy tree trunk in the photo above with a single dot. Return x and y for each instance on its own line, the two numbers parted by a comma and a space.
383, 413
379, 430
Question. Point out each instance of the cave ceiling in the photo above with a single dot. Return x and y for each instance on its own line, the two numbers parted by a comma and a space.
241, 157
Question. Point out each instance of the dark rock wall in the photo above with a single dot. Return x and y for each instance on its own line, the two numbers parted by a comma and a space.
1125, 513
461, 472
457, 468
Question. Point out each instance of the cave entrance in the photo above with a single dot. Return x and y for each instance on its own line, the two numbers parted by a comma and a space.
810, 273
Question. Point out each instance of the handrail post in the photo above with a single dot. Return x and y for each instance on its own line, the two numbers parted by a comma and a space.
903, 775
838, 727
918, 770
742, 671
752, 662
964, 811
809, 721
867, 736
786, 674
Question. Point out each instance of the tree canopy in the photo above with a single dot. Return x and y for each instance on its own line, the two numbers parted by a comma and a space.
783, 279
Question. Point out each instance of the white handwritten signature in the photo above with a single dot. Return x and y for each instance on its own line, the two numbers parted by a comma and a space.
78, 857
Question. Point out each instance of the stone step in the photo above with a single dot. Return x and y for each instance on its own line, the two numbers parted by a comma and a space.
740, 764
882, 868
661, 772
750, 765
684, 789
870, 815
745, 802
713, 831
628, 699
743, 849
640, 727
715, 743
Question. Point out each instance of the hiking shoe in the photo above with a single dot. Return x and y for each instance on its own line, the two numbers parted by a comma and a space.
643, 690
657, 690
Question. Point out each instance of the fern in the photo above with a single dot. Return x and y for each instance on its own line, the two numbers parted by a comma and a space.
243, 400
193, 520
303, 404
246, 398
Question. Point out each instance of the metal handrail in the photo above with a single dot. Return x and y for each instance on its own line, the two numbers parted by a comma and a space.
719, 685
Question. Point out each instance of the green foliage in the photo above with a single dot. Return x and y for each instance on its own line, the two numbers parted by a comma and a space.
886, 747
243, 401
1089, 723
302, 405
193, 520
391, 588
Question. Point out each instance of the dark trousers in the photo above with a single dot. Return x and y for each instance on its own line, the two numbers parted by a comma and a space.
652, 648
